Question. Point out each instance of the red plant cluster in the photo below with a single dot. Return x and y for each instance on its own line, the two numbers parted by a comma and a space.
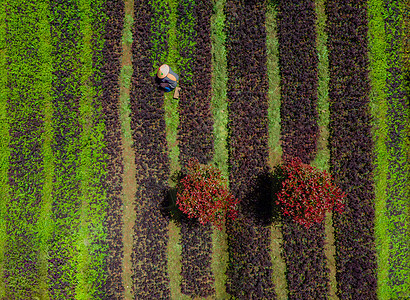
203, 194
307, 193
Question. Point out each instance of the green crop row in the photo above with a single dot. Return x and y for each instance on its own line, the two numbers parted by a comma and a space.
219, 107
4, 142
44, 225
322, 156
159, 24
377, 48
171, 123
65, 211
186, 37
26, 93
397, 116
273, 75
91, 243
171, 105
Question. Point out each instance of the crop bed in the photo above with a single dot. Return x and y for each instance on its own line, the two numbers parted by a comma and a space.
307, 274
110, 70
250, 269
25, 167
63, 229
195, 135
149, 263
351, 149
65, 211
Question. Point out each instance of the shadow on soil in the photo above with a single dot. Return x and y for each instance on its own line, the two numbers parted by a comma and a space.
169, 205
260, 201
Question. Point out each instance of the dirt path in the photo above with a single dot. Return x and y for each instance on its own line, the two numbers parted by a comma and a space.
129, 183
322, 156
275, 150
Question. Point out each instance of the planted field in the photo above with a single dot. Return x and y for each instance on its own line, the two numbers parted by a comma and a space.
90, 147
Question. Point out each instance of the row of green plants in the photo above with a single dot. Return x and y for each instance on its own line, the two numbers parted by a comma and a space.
397, 146
92, 244
25, 99
220, 117
172, 123
54, 239
322, 155
44, 224
77, 247
378, 75
65, 210
4, 143
275, 148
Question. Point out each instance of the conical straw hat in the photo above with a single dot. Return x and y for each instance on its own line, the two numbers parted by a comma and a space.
163, 71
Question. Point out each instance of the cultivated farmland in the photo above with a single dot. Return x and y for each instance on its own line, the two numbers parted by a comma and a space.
90, 147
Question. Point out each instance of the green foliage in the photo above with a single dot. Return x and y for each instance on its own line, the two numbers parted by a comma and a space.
28, 74
125, 76
171, 123
170, 104
44, 226
273, 74
4, 142
93, 170
322, 156
219, 104
219, 108
186, 36
65, 144
397, 117
127, 33
378, 104
159, 25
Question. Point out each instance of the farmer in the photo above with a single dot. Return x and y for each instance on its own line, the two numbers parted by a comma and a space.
168, 79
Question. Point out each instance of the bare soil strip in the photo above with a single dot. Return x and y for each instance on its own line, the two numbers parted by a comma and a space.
129, 182
322, 156
275, 149
172, 121
220, 158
